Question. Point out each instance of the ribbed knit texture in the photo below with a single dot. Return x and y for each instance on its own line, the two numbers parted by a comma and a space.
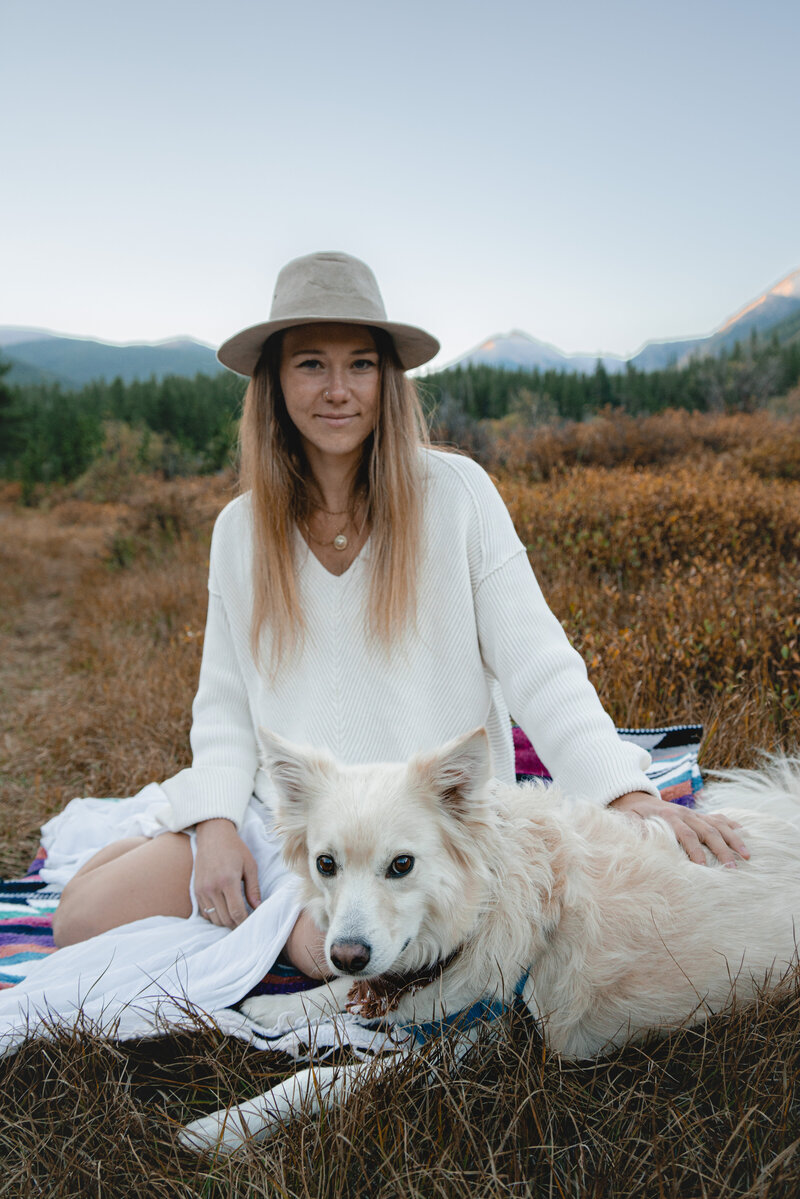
485, 642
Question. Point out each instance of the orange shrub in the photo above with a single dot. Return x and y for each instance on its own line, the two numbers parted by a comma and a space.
681, 588
624, 524
769, 444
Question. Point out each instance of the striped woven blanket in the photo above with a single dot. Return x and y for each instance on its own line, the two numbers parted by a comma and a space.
673, 749
26, 921
27, 904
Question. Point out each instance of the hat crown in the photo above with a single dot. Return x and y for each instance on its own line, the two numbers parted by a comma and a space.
327, 285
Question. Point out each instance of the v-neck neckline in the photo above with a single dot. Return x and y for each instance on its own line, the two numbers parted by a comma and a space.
321, 568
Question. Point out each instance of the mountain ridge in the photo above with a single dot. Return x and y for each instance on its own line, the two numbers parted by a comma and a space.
772, 308
47, 357
75, 361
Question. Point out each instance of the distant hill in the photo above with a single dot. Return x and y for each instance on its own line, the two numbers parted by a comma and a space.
519, 351
788, 331
26, 375
774, 310
40, 356
658, 355
16, 334
37, 356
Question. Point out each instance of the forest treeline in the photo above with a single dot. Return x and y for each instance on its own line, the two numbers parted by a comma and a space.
739, 381
176, 426
187, 426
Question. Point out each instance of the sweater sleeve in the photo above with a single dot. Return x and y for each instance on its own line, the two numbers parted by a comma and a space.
542, 677
221, 778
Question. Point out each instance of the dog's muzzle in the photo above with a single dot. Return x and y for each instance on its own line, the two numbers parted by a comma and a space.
351, 957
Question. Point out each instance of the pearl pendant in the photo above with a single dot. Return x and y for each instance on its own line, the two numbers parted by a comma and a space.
340, 542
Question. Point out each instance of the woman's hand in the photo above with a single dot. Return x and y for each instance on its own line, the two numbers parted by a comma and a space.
223, 863
693, 829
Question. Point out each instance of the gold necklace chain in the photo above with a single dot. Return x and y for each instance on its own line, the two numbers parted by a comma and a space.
340, 541
330, 512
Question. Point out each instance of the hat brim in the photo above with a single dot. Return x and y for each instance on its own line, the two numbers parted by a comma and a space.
241, 352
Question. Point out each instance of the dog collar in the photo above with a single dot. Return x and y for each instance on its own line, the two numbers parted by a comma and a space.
373, 998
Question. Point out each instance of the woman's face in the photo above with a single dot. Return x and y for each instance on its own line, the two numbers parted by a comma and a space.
330, 376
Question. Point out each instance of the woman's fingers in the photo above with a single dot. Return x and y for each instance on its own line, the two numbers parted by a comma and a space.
214, 909
689, 841
235, 906
226, 905
719, 835
726, 830
252, 890
694, 830
225, 870
221, 907
704, 834
232, 899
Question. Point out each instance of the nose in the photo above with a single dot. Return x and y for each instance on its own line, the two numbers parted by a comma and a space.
336, 387
351, 957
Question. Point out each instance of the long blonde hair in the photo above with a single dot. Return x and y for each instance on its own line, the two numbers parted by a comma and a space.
275, 471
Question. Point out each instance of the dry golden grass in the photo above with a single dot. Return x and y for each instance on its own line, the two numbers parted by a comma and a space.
709, 1112
103, 612
765, 442
680, 586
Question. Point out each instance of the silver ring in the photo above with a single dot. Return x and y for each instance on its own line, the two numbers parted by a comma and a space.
208, 911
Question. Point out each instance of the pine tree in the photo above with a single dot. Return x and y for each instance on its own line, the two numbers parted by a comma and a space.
10, 418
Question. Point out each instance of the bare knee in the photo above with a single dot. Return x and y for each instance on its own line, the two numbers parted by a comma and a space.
147, 878
305, 948
73, 921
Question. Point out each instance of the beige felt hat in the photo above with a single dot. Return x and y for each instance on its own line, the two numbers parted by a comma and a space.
319, 288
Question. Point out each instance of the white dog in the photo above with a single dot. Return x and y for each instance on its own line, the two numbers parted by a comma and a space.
438, 889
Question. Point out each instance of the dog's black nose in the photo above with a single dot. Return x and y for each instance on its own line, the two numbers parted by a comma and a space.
351, 957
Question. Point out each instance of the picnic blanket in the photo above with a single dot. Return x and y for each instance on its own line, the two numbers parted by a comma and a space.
161, 974
165, 973
673, 749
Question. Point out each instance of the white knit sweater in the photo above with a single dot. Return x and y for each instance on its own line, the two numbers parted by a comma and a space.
485, 643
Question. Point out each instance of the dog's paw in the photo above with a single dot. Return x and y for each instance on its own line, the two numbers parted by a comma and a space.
212, 1134
225, 1131
258, 1008
276, 1011
269, 1010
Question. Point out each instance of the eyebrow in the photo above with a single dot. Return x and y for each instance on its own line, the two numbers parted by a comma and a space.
365, 350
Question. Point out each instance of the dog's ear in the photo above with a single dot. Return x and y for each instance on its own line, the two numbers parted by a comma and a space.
295, 770
457, 773
299, 775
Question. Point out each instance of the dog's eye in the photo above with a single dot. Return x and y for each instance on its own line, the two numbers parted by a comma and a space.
326, 865
400, 866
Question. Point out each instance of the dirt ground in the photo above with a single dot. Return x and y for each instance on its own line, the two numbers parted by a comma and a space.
99, 649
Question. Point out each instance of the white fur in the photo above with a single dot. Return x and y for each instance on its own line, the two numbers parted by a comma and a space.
620, 932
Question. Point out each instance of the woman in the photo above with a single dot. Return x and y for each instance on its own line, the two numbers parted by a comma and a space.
367, 594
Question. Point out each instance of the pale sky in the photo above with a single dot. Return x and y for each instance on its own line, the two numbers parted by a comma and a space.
596, 174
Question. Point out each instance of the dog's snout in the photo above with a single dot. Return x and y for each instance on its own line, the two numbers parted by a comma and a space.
351, 957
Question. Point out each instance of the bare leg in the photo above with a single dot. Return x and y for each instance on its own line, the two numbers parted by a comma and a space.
114, 850
305, 948
142, 876
128, 880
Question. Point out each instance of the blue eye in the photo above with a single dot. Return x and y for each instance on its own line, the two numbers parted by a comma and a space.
326, 865
401, 865
310, 363
364, 364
